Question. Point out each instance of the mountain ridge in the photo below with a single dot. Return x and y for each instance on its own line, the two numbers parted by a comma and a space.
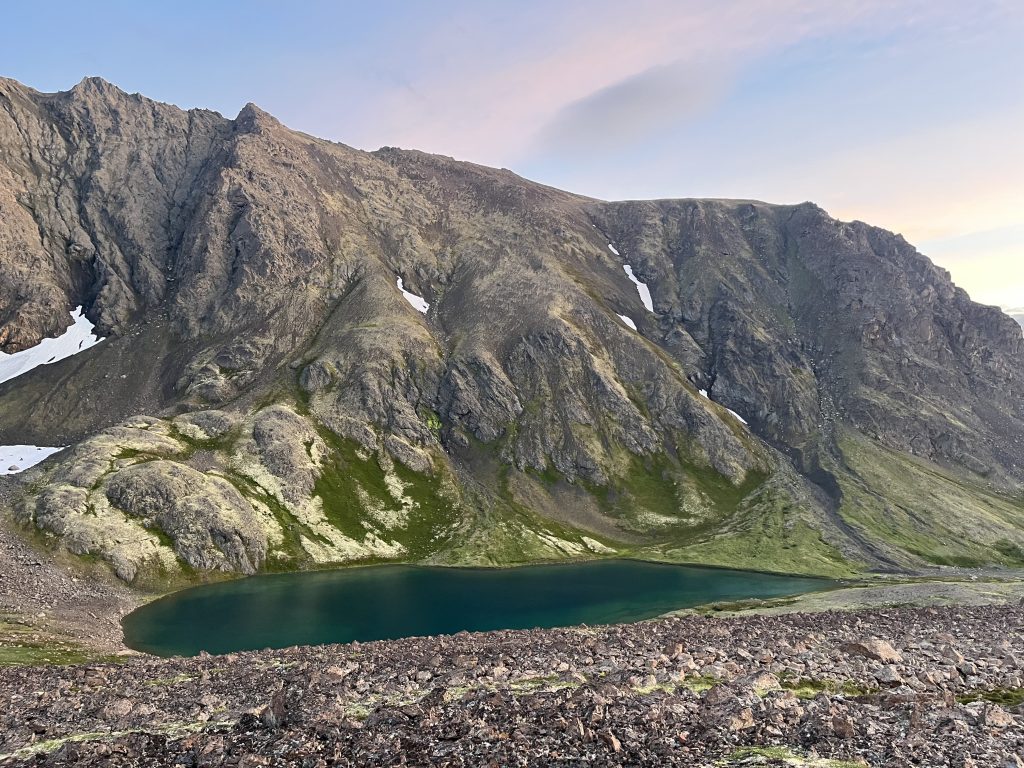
246, 275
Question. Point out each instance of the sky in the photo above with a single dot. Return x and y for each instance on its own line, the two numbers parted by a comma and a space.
905, 114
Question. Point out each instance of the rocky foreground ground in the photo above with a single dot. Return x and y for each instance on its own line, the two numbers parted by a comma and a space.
896, 687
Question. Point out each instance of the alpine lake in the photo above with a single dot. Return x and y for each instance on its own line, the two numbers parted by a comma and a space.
385, 602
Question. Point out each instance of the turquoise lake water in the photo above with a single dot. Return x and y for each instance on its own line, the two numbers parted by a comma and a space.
393, 601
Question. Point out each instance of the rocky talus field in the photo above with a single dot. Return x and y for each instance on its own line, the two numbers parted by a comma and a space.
897, 687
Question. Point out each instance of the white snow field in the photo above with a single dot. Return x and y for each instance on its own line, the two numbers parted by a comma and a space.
78, 337
418, 302
642, 289
17, 458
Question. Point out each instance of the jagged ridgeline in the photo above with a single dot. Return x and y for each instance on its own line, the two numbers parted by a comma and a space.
316, 355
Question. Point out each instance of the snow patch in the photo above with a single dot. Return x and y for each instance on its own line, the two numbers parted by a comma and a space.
18, 458
739, 418
628, 321
613, 250
417, 302
78, 337
642, 289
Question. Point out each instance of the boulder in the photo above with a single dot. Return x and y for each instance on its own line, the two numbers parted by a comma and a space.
873, 648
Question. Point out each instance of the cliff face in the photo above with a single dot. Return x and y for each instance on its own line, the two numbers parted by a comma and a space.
299, 408
804, 322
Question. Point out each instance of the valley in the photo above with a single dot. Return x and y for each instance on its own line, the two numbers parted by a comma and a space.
231, 349
314, 355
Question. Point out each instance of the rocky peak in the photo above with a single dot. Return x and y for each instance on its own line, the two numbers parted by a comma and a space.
95, 85
9, 86
252, 119
95, 92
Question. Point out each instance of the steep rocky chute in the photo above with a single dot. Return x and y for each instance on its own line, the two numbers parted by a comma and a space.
347, 356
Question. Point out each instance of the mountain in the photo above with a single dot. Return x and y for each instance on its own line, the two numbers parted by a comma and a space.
1016, 314
803, 394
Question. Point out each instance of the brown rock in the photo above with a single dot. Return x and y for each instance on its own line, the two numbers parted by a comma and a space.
873, 648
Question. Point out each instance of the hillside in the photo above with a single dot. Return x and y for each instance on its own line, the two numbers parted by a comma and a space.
801, 394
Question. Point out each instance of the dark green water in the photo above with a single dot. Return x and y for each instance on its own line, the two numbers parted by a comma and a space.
392, 601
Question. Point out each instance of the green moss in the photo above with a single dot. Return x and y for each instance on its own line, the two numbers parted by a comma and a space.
499, 530
32, 654
162, 536
692, 514
532, 407
546, 683
956, 561
344, 475
224, 443
171, 730
768, 543
132, 453
549, 476
737, 606
785, 756
806, 688
302, 399
351, 480
430, 418
1010, 550
1004, 697
648, 485
674, 509
22, 643
163, 682
669, 497
436, 513
290, 554
774, 753
699, 683
772, 531
639, 399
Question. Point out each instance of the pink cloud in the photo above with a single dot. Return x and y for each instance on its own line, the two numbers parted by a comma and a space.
492, 96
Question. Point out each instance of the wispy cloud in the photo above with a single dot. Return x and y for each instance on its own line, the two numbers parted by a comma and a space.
627, 111
477, 97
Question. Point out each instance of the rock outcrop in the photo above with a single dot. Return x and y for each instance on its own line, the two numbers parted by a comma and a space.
211, 524
807, 394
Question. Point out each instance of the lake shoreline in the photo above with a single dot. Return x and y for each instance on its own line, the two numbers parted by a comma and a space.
83, 604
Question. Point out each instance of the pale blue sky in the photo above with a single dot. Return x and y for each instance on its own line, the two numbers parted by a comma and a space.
904, 114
